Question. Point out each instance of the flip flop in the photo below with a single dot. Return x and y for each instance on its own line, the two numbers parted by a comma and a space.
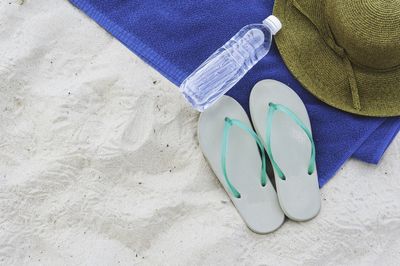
230, 146
281, 120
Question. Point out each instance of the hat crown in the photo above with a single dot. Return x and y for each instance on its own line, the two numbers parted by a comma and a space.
367, 30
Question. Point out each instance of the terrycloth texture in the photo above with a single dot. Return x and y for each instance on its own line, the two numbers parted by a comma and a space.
175, 37
373, 153
357, 73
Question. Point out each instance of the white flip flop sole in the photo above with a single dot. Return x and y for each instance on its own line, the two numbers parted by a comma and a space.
258, 205
298, 194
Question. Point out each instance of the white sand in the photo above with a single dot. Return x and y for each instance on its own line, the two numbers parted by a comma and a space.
99, 165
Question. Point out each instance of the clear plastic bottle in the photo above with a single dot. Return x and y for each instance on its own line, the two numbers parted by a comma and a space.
224, 68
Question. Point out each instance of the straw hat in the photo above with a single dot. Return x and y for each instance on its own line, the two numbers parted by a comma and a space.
345, 52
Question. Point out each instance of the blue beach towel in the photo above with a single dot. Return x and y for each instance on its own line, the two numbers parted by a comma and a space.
176, 36
381, 139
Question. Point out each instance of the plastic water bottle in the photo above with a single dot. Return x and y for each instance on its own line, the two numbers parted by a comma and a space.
223, 69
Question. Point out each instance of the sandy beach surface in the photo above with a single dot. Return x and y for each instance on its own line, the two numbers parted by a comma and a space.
100, 165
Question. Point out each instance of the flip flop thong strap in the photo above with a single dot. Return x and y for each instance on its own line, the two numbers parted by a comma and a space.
279, 107
228, 124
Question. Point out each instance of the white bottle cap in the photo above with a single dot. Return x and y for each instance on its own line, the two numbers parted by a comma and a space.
273, 23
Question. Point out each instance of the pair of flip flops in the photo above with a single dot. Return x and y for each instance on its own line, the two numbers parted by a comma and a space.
238, 155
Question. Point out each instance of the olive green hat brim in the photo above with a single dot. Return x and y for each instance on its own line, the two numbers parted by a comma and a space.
321, 71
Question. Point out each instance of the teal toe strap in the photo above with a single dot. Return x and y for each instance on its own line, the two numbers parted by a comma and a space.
278, 107
228, 124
